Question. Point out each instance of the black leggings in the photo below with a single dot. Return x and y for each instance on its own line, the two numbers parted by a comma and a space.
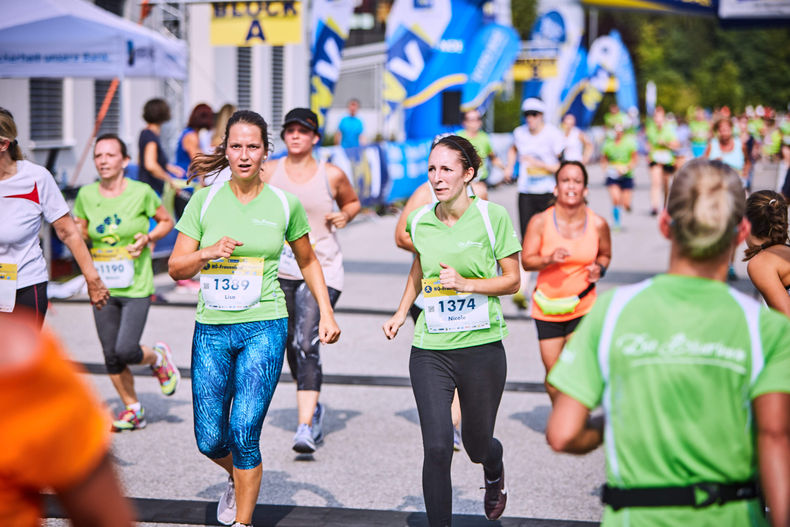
32, 300
301, 346
529, 205
479, 374
120, 325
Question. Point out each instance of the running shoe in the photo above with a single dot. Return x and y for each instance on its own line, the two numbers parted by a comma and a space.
317, 427
303, 440
226, 508
520, 300
239, 524
129, 420
456, 439
495, 498
167, 373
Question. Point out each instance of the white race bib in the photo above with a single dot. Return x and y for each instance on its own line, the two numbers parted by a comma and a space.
662, 156
448, 311
115, 267
7, 287
288, 263
232, 284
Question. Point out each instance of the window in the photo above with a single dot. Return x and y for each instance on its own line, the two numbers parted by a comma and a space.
46, 109
112, 120
278, 72
244, 77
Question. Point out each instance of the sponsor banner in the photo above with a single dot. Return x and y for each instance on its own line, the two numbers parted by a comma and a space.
329, 25
554, 42
254, 23
365, 166
414, 28
407, 168
699, 7
754, 9
491, 53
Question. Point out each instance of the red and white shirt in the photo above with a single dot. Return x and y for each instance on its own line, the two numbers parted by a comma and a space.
26, 198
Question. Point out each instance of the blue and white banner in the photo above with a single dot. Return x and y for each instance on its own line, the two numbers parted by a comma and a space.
365, 166
329, 23
491, 54
557, 32
414, 28
609, 70
407, 168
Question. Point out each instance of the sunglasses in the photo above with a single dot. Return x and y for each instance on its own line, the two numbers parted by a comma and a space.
531, 113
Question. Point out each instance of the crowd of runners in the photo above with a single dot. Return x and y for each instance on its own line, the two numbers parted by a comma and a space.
677, 362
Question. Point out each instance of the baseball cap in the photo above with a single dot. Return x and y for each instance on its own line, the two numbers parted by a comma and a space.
303, 116
533, 104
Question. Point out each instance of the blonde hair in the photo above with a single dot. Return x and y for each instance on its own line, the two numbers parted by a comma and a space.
706, 203
221, 123
8, 132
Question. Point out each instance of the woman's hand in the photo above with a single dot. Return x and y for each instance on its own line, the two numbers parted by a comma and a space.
594, 272
97, 292
392, 326
450, 279
338, 219
140, 241
328, 331
222, 249
559, 255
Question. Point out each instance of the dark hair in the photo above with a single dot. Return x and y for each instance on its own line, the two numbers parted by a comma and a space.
113, 137
720, 121
202, 117
572, 163
468, 154
206, 164
8, 131
156, 111
766, 210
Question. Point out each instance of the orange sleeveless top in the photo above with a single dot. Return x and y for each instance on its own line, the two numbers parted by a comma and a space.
570, 277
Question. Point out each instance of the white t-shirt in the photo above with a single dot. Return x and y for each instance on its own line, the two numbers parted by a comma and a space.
546, 146
573, 146
25, 198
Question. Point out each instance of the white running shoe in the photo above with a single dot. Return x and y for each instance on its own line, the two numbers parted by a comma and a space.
303, 440
226, 508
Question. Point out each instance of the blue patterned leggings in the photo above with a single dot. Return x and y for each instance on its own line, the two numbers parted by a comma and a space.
238, 363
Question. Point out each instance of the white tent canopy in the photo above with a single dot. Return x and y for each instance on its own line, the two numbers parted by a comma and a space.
74, 38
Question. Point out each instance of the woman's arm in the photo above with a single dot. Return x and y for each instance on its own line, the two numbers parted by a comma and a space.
419, 198
511, 163
191, 144
587, 148
164, 224
531, 259
345, 197
82, 225
328, 331
598, 267
187, 260
766, 279
569, 429
151, 163
68, 232
772, 414
413, 287
506, 284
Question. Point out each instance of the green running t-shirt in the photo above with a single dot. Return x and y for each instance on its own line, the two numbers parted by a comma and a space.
466, 247
619, 153
675, 362
113, 222
700, 132
658, 140
261, 226
482, 143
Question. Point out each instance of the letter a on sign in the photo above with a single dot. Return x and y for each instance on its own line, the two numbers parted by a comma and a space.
255, 31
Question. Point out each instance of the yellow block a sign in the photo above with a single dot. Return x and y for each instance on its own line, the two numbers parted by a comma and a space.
253, 23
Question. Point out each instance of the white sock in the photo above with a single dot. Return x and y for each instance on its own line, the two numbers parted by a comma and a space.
159, 358
135, 406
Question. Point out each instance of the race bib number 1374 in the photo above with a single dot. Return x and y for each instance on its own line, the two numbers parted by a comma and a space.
448, 311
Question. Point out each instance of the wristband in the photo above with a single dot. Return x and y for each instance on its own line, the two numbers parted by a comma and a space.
602, 268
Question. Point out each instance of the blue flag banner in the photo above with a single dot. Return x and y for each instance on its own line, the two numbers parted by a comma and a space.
366, 168
492, 53
414, 28
330, 25
407, 168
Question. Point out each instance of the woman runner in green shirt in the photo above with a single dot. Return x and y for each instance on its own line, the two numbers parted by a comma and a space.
693, 377
114, 215
457, 343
